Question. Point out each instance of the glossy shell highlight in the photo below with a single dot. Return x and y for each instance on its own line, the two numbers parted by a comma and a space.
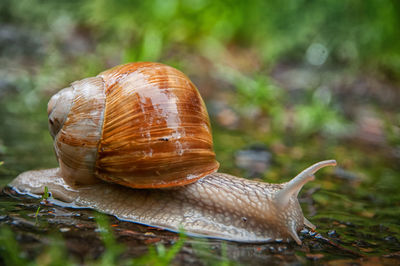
151, 123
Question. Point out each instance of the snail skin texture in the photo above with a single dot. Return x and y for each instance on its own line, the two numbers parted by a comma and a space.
135, 142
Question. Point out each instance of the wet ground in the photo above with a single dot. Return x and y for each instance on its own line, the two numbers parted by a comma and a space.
334, 242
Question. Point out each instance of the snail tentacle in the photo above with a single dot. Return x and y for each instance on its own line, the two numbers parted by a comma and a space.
309, 224
293, 187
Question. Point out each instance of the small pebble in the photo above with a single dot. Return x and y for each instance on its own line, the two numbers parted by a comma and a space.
333, 233
313, 233
350, 224
391, 239
149, 234
255, 159
319, 236
282, 249
304, 231
152, 240
345, 174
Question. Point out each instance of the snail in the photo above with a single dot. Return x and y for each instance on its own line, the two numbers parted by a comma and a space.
135, 142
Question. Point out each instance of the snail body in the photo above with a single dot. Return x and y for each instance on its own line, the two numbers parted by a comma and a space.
122, 136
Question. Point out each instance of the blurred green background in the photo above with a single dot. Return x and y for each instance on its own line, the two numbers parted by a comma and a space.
291, 81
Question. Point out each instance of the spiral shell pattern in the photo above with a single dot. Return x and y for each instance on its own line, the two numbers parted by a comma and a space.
149, 128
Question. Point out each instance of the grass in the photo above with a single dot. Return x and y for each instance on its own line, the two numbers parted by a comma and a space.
56, 253
112, 249
9, 248
355, 34
159, 255
44, 197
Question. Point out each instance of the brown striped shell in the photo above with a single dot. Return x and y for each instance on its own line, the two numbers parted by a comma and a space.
142, 125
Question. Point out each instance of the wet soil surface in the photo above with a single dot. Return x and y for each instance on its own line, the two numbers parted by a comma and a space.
334, 242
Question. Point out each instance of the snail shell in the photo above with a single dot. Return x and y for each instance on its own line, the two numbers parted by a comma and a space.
142, 125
